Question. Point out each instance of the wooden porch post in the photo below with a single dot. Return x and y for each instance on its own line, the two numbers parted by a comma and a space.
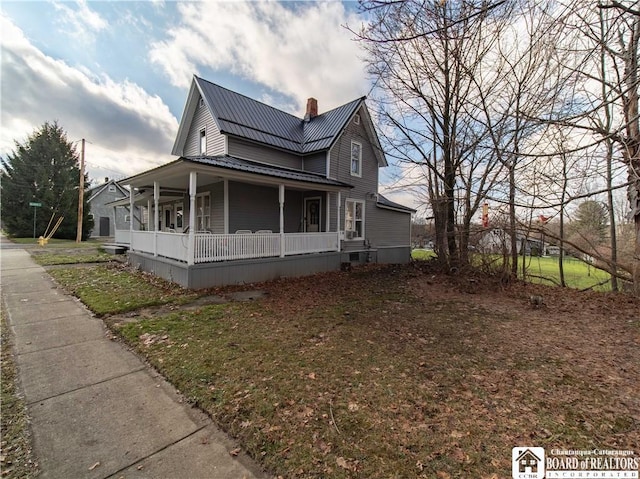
281, 197
338, 201
193, 189
156, 216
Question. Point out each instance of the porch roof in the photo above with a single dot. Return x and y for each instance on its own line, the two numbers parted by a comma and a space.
214, 168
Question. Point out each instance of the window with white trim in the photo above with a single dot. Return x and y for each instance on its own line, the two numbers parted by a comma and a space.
179, 216
356, 158
356, 119
354, 219
203, 142
203, 211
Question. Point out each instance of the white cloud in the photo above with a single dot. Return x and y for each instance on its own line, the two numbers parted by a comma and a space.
82, 22
129, 130
298, 51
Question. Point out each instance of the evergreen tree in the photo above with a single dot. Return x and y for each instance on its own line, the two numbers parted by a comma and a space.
44, 170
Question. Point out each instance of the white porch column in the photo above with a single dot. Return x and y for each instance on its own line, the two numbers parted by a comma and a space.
327, 212
338, 201
226, 204
156, 216
193, 189
281, 198
130, 217
149, 214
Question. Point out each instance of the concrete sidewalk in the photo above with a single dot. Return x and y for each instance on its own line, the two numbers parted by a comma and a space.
96, 410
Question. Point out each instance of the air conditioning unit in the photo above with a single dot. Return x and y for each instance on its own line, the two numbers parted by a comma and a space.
349, 234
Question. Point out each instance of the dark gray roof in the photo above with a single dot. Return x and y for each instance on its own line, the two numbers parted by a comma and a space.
384, 202
237, 164
241, 116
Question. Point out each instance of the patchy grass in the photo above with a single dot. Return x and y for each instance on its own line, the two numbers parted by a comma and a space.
422, 254
110, 289
399, 376
578, 274
542, 270
16, 458
59, 243
48, 258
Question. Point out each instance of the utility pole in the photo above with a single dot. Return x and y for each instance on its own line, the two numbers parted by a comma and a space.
80, 196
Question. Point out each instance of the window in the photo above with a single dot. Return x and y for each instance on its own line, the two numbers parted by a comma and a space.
201, 102
127, 218
112, 188
179, 216
203, 142
354, 219
203, 211
356, 159
356, 119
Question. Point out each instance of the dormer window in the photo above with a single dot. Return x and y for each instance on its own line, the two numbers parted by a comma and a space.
203, 142
356, 119
356, 159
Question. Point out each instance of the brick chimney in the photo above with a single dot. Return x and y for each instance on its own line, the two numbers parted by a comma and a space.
312, 109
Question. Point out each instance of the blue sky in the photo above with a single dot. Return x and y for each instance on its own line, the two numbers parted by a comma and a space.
117, 73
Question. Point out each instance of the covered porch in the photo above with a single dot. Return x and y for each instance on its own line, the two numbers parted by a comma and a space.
239, 210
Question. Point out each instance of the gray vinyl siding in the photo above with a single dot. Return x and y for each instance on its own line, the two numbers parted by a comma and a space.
253, 207
217, 208
316, 163
389, 228
363, 187
263, 154
215, 141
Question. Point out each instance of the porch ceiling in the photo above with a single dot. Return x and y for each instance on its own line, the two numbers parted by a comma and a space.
175, 175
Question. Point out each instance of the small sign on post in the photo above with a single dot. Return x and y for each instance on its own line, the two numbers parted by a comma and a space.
35, 205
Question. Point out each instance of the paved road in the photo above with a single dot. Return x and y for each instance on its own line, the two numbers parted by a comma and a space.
97, 411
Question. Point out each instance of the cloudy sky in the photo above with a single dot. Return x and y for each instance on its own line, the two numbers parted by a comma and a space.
117, 73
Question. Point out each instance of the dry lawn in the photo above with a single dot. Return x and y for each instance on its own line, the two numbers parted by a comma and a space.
394, 372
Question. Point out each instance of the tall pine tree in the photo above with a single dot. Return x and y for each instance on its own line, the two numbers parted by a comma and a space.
43, 170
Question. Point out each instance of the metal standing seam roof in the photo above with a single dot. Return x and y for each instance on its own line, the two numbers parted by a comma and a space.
245, 117
237, 164
383, 201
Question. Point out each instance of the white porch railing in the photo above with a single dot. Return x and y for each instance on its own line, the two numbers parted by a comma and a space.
173, 245
142, 241
212, 247
219, 247
122, 237
302, 243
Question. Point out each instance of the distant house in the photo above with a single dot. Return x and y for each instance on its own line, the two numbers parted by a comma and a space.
106, 218
257, 193
498, 240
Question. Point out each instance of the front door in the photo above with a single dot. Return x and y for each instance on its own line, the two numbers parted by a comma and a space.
168, 222
105, 229
312, 215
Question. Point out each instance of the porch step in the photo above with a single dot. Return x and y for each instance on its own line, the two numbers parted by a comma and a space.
115, 248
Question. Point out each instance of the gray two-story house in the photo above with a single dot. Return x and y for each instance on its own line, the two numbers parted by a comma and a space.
257, 194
